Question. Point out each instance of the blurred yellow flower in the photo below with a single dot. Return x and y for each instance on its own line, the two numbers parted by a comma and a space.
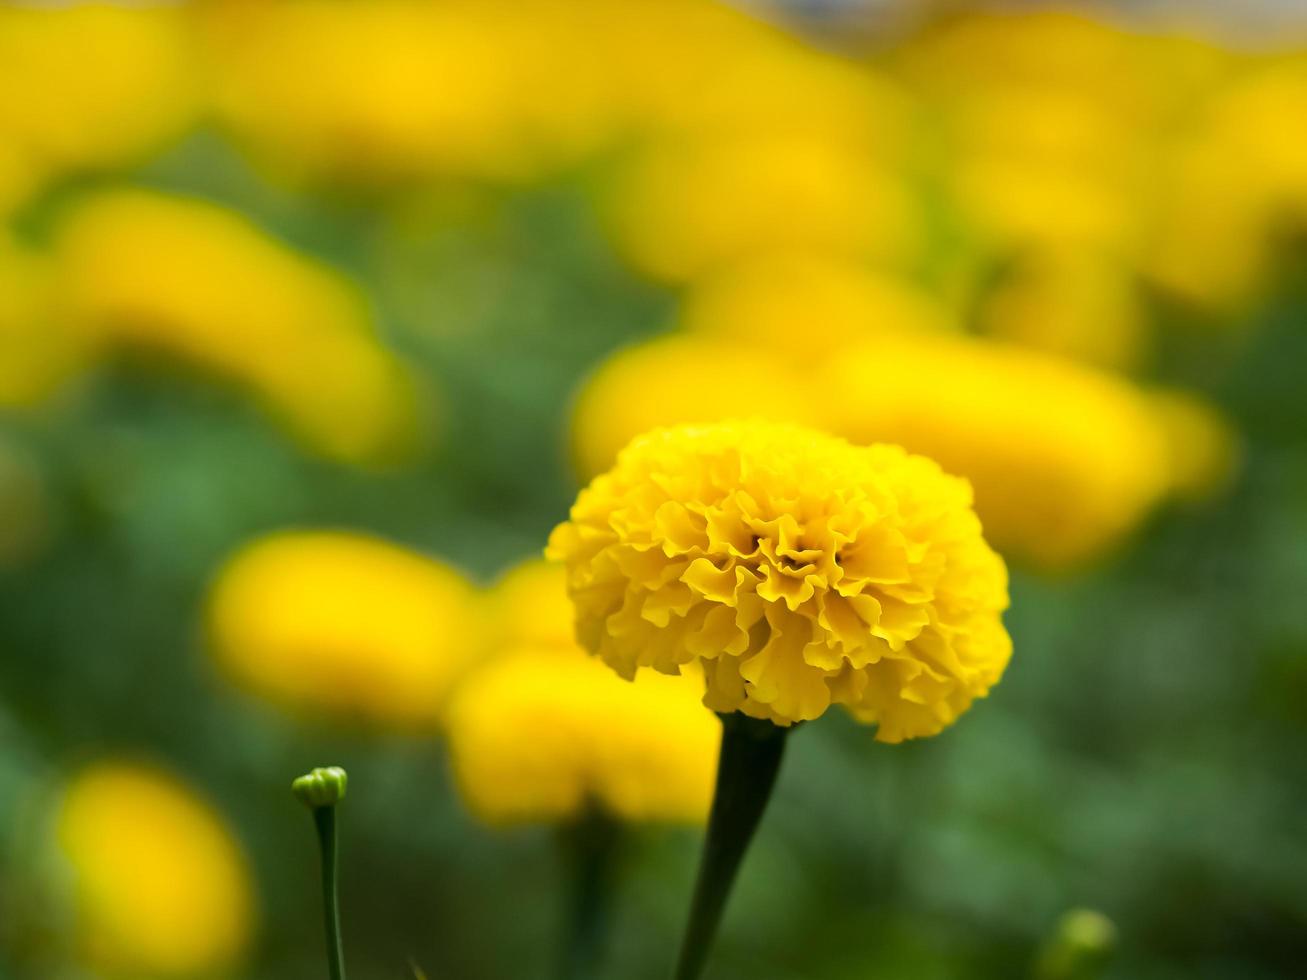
1239, 182
1065, 460
91, 86
541, 731
678, 379
528, 607
37, 348
797, 570
193, 281
684, 208
161, 888
808, 307
335, 623
1203, 450
1076, 302
401, 90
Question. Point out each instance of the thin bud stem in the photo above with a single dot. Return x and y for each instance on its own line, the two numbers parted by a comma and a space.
320, 790
750, 760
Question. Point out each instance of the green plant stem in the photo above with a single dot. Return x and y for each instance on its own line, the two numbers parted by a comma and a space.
590, 846
324, 817
750, 760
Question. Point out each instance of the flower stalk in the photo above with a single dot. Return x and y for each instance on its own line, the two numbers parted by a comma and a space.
320, 790
590, 846
746, 774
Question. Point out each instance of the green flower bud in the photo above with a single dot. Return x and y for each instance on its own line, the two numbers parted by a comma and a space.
1079, 948
321, 787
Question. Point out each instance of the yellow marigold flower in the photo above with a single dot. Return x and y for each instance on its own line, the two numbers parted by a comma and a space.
339, 623
91, 86
161, 888
1065, 460
808, 307
541, 731
798, 570
1075, 302
190, 280
672, 380
686, 207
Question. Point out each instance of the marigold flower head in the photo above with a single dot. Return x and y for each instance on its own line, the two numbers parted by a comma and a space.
344, 624
540, 731
160, 886
797, 570
193, 281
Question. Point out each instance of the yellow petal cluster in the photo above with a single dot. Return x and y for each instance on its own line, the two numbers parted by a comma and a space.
192, 281
87, 87
342, 624
797, 570
540, 732
161, 889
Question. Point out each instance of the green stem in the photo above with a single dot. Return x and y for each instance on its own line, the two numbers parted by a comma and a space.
750, 759
325, 819
590, 846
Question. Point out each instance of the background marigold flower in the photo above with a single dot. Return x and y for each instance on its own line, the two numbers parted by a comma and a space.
1065, 460
798, 570
160, 887
343, 624
808, 307
677, 379
542, 731
155, 273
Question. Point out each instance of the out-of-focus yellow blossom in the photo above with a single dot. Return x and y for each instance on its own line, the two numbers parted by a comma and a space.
400, 90
1239, 181
685, 208
161, 888
1075, 302
339, 623
37, 349
540, 735
808, 307
797, 570
1065, 460
24, 517
541, 730
90, 86
528, 607
678, 379
1203, 448
191, 280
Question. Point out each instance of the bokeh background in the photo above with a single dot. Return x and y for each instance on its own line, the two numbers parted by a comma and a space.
415, 269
